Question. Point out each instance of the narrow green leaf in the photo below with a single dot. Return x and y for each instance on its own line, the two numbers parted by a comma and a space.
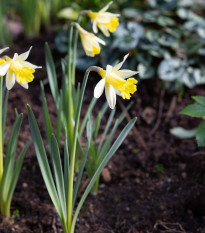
200, 134
103, 151
52, 77
12, 143
194, 110
17, 170
59, 118
111, 152
58, 174
10, 157
80, 173
66, 168
46, 116
97, 126
43, 161
109, 122
89, 110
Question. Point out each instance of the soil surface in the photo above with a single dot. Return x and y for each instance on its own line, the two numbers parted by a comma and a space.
157, 180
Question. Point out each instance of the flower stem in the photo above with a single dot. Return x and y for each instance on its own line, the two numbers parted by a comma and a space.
70, 96
75, 50
1, 133
73, 153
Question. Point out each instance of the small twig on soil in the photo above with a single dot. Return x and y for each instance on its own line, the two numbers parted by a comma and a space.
171, 108
198, 153
136, 132
54, 226
161, 105
167, 228
41, 228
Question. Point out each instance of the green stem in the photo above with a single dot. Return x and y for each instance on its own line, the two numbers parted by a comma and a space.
1, 133
73, 153
70, 97
95, 186
75, 50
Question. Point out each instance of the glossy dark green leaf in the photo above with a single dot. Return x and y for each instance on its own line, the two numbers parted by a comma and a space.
194, 110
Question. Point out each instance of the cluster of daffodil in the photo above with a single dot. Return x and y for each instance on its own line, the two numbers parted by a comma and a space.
63, 182
15, 69
63, 179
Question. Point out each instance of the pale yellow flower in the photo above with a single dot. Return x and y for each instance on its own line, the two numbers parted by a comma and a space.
107, 22
18, 69
90, 42
113, 81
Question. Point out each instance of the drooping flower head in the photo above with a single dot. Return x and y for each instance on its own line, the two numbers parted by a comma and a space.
107, 22
18, 69
90, 42
115, 81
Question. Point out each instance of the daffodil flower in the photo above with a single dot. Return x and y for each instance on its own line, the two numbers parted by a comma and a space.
18, 69
113, 81
107, 22
90, 42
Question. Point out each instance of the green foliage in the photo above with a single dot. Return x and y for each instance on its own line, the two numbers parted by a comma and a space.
98, 150
193, 110
166, 38
15, 214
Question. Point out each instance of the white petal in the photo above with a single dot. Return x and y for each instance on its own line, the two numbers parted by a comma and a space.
2, 50
10, 80
4, 68
25, 55
104, 30
28, 64
99, 88
119, 65
106, 7
125, 73
15, 56
24, 85
117, 92
108, 70
110, 95
100, 41
95, 29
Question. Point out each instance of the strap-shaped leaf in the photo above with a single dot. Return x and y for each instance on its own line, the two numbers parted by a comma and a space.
109, 122
66, 169
108, 156
60, 118
80, 173
46, 116
52, 77
58, 174
85, 118
16, 173
107, 143
10, 157
12, 143
43, 161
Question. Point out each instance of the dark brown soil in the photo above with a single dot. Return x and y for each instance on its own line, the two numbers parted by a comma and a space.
157, 186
